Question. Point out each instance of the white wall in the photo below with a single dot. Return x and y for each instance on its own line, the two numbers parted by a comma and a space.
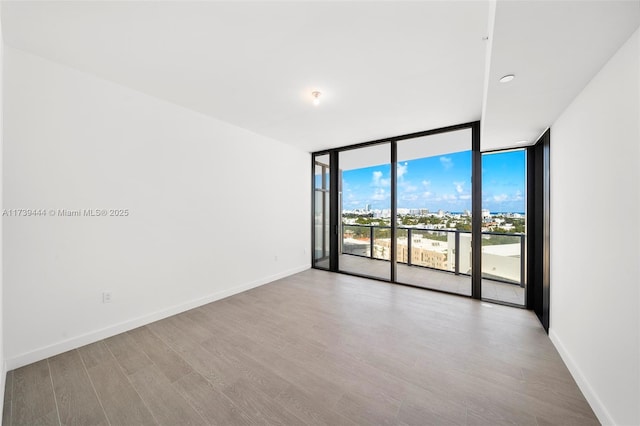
211, 206
3, 367
595, 245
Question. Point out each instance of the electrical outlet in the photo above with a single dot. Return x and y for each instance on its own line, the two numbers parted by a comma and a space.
106, 297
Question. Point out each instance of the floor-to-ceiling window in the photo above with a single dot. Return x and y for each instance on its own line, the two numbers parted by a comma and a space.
434, 212
427, 210
504, 226
321, 209
365, 203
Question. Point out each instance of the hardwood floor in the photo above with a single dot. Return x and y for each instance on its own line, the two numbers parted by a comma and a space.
314, 348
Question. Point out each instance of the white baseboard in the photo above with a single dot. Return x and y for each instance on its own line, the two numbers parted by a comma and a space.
588, 391
103, 333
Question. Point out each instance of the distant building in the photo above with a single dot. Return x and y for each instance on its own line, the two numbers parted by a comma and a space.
499, 261
424, 251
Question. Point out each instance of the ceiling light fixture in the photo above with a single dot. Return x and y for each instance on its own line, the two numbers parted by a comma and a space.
316, 97
507, 78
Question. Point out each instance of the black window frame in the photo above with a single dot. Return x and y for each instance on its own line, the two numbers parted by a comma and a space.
476, 204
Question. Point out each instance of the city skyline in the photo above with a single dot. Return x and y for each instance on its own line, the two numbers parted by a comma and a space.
440, 182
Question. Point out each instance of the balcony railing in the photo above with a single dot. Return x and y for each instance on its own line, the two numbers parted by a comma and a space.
448, 250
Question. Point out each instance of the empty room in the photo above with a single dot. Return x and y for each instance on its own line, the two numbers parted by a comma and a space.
320, 212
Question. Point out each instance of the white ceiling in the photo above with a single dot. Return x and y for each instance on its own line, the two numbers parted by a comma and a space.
384, 68
554, 48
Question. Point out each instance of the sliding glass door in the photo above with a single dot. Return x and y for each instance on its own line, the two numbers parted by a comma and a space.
365, 207
504, 226
434, 217
406, 209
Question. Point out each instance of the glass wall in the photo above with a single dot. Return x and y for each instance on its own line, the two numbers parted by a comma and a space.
504, 226
365, 199
426, 209
433, 182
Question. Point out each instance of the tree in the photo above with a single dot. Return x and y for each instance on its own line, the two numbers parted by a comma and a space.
463, 226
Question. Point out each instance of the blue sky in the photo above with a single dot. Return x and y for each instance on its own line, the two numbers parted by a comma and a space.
440, 182
503, 181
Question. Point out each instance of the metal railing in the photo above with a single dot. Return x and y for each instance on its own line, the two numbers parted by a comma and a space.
374, 239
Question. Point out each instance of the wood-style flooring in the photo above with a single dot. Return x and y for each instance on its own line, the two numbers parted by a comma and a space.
315, 348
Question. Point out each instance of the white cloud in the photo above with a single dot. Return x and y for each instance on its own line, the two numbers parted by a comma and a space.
449, 197
379, 194
446, 162
465, 197
459, 187
377, 179
500, 198
427, 194
402, 169
409, 188
426, 182
409, 197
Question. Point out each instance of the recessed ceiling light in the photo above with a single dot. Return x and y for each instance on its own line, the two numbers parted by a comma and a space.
316, 97
507, 78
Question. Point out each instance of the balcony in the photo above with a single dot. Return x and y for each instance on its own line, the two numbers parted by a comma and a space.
438, 259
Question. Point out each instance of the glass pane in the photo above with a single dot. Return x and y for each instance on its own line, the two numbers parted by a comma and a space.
321, 209
503, 226
434, 212
318, 176
356, 240
318, 229
382, 242
366, 211
326, 227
